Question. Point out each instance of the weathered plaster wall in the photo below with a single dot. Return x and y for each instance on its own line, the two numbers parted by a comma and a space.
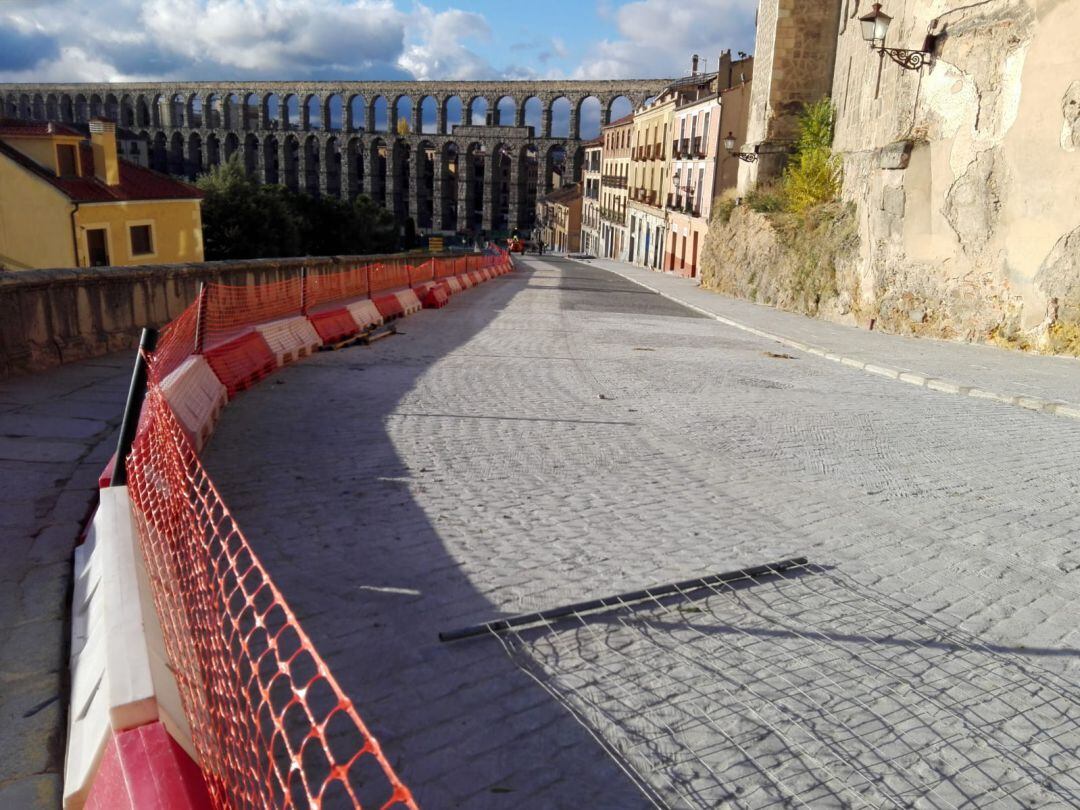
982, 227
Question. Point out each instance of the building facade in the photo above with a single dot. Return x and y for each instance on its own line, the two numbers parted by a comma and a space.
702, 168
649, 162
616, 149
590, 203
66, 201
648, 221
558, 219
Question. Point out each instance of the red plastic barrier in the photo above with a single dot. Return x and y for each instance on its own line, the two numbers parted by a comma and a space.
334, 325
436, 297
241, 362
143, 768
389, 306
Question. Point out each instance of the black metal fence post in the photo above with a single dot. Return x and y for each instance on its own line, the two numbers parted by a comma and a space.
133, 408
200, 317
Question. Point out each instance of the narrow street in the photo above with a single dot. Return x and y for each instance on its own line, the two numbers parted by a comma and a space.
561, 434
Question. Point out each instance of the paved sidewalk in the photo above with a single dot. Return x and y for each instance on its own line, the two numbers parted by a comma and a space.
1037, 382
57, 430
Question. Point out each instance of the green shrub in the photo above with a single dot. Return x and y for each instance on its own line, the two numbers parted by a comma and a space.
813, 176
767, 199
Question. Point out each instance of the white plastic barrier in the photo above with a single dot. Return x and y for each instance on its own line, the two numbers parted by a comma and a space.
120, 677
454, 284
409, 302
290, 338
365, 313
196, 397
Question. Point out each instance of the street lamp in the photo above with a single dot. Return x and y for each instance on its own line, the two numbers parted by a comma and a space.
875, 26
729, 145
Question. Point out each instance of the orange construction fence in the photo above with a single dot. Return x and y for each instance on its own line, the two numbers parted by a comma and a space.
269, 721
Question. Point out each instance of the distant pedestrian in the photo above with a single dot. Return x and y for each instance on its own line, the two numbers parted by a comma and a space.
540, 247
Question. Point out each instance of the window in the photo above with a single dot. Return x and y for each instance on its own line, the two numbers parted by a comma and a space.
142, 242
97, 245
65, 160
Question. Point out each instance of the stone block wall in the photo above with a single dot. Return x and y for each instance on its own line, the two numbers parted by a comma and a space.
51, 317
793, 65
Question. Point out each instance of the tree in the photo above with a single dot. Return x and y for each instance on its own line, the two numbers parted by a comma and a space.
403, 128
376, 223
243, 220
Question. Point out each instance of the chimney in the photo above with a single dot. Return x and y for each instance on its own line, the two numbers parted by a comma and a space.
693, 65
103, 145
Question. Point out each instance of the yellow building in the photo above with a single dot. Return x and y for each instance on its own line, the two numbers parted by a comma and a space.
558, 219
649, 164
69, 202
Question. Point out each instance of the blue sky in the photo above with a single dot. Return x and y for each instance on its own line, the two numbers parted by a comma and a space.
117, 40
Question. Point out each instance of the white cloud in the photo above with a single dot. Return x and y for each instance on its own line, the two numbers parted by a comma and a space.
436, 45
657, 37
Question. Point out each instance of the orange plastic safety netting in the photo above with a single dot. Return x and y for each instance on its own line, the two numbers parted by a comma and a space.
271, 725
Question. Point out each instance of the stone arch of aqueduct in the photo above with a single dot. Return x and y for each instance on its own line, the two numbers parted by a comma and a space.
341, 139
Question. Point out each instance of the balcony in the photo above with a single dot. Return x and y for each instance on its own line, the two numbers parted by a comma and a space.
613, 181
697, 149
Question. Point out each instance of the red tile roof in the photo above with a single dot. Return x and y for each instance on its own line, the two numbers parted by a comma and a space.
136, 183
35, 129
625, 119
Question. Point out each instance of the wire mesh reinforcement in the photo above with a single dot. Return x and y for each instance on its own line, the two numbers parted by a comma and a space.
808, 690
271, 725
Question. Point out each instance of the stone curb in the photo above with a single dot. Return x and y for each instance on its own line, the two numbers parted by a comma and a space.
1056, 407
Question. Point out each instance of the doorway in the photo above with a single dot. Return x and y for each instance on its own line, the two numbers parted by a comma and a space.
97, 246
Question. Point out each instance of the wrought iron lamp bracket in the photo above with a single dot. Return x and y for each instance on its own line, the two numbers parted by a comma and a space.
907, 59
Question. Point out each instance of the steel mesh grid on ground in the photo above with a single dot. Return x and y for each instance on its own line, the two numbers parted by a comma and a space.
808, 690
271, 725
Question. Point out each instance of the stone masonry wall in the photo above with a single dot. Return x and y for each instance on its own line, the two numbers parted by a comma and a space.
980, 230
793, 65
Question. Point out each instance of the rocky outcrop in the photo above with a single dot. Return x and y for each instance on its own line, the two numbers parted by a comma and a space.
796, 263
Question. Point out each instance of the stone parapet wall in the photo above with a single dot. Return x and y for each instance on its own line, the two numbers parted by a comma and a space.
51, 317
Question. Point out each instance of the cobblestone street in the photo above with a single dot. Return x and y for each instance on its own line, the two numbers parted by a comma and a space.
561, 433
